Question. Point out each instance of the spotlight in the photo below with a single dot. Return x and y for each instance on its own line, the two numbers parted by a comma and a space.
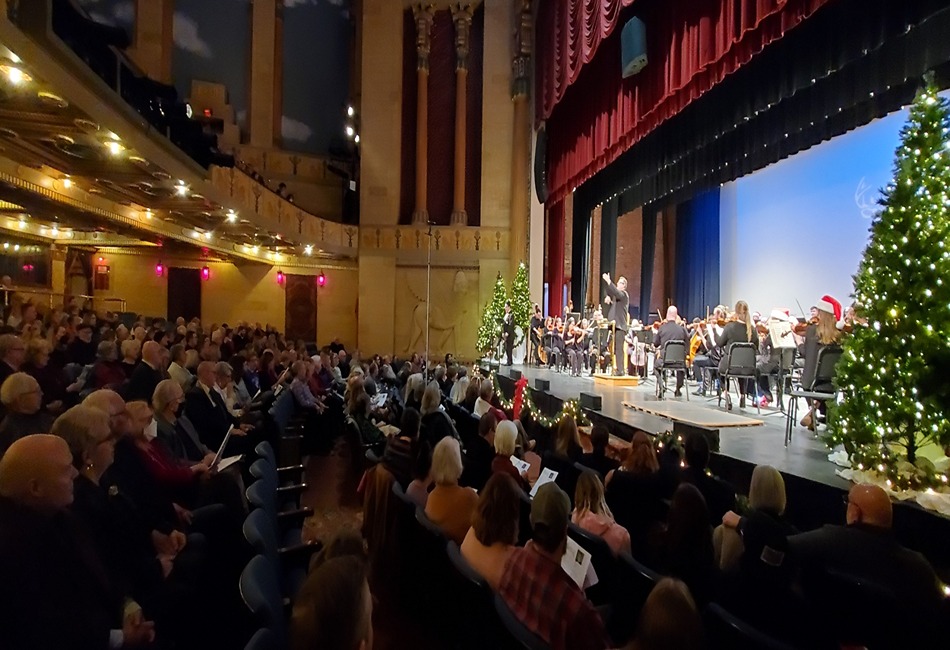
280, 277
321, 280
205, 273
159, 269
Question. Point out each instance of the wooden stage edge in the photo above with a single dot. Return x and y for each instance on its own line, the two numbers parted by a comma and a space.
614, 380
672, 412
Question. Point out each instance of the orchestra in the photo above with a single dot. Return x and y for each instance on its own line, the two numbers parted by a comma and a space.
784, 343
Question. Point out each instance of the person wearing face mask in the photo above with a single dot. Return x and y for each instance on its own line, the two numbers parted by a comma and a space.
159, 571
174, 428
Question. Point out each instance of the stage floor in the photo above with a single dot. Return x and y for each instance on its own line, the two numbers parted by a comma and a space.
759, 441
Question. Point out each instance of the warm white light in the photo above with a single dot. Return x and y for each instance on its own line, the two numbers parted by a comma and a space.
254, 250
16, 247
349, 111
308, 250
208, 235
181, 189
148, 213
6, 244
115, 148
232, 216
356, 139
22, 224
55, 231
15, 75
350, 131
67, 182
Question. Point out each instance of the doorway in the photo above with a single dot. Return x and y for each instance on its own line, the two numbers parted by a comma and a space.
300, 308
184, 293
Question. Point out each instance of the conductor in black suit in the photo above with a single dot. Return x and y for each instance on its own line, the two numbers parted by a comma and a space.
619, 301
508, 331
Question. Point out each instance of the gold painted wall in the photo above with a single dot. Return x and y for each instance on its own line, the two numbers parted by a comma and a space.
454, 315
245, 291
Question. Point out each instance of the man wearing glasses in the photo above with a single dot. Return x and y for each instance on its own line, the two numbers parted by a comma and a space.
12, 355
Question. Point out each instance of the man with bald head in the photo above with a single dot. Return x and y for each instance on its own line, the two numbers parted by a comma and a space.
55, 593
670, 330
146, 375
865, 548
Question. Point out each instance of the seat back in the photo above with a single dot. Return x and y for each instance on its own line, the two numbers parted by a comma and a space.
726, 631
634, 582
517, 632
265, 451
674, 355
264, 471
603, 559
263, 639
741, 360
261, 593
567, 474
477, 621
354, 439
828, 357
260, 534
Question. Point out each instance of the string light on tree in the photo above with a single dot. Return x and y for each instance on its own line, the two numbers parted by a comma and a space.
892, 373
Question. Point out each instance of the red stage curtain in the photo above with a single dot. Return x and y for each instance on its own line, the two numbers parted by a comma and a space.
569, 32
691, 46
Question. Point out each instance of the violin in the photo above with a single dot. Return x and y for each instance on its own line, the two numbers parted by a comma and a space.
801, 328
762, 329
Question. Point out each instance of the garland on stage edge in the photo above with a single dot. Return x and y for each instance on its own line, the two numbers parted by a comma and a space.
570, 407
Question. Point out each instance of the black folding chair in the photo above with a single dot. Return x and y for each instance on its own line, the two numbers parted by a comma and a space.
672, 359
741, 367
828, 357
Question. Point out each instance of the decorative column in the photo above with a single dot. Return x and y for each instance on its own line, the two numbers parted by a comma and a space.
266, 80
423, 16
462, 17
520, 146
152, 47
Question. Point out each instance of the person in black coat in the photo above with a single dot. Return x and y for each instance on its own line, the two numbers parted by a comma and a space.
479, 453
741, 330
597, 459
670, 330
207, 411
720, 496
55, 592
146, 375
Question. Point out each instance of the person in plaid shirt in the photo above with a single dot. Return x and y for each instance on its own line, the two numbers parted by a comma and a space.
539, 593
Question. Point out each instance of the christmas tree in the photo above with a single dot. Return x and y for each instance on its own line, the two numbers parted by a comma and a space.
489, 332
521, 301
893, 372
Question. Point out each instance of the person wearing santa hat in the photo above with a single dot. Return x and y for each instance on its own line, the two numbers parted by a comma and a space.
819, 335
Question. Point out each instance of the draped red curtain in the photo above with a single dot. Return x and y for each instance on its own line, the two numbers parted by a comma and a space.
569, 32
691, 46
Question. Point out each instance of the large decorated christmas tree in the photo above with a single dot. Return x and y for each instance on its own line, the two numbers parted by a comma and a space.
894, 374
521, 301
490, 329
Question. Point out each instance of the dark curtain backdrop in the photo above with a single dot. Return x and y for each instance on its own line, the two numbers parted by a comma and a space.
441, 119
647, 260
580, 254
696, 274
608, 241
691, 46
568, 35
816, 83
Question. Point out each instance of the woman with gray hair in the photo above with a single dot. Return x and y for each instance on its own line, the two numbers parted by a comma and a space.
107, 371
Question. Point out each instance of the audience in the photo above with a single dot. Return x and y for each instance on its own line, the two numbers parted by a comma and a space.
12, 355
597, 459
636, 491
538, 591
21, 397
146, 375
418, 488
669, 620
683, 548
592, 514
449, 505
720, 497
567, 440
491, 540
506, 438
480, 453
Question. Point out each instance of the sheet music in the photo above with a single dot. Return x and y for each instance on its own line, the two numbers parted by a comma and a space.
547, 476
781, 334
519, 464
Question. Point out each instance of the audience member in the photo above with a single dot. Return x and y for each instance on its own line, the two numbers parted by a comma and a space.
449, 505
401, 449
719, 495
334, 608
130, 349
567, 440
480, 453
597, 459
146, 375
491, 540
12, 355
177, 370
82, 349
669, 620
471, 395
592, 514
506, 438
21, 397
39, 364
684, 548
418, 488
637, 493
207, 411
107, 372
460, 387
538, 591
436, 423
175, 430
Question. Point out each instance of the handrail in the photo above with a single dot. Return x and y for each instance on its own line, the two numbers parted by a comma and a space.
7, 291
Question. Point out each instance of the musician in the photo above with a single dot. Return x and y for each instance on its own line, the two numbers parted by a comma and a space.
670, 330
537, 325
577, 350
569, 337
739, 330
619, 301
819, 335
636, 350
508, 331
712, 356
769, 358
553, 343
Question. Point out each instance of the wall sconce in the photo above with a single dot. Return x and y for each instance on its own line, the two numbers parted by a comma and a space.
281, 277
159, 269
205, 273
321, 280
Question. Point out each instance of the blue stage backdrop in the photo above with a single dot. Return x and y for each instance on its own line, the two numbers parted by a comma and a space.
696, 281
797, 229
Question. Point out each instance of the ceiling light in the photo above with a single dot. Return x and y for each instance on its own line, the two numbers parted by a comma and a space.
67, 182
6, 244
232, 216
148, 213
181, 189
55, 231
356, 138
350, 111
254, 250
308, 250
208, 235
350, 131
22, 224
16, 247
16, 76
115, 147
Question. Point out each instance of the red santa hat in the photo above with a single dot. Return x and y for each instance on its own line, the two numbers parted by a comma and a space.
830, 305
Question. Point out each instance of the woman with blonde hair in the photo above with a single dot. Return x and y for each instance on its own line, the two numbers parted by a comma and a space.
450, 506
592, 514
739, 330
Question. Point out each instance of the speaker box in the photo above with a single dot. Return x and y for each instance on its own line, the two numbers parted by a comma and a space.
633, 47
543, 385
591, 401
514, 374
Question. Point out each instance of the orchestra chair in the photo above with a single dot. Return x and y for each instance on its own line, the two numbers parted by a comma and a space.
672, 359
786, 366
726, 631
828, 357
519, 636
741, 367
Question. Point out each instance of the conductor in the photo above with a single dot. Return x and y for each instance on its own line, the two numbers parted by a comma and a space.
619, 302
508, 331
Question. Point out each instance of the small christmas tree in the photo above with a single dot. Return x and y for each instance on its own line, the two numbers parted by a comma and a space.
489, 331
893, 372
521, 301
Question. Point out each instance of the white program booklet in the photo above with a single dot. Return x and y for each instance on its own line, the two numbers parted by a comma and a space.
547, 476
519, 464
576, 563
227, 462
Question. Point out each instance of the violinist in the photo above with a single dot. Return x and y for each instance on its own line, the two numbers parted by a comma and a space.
769, 358
550, 341
822, 334
537, 332
577, 350
670, 330
739, 330
710, 359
